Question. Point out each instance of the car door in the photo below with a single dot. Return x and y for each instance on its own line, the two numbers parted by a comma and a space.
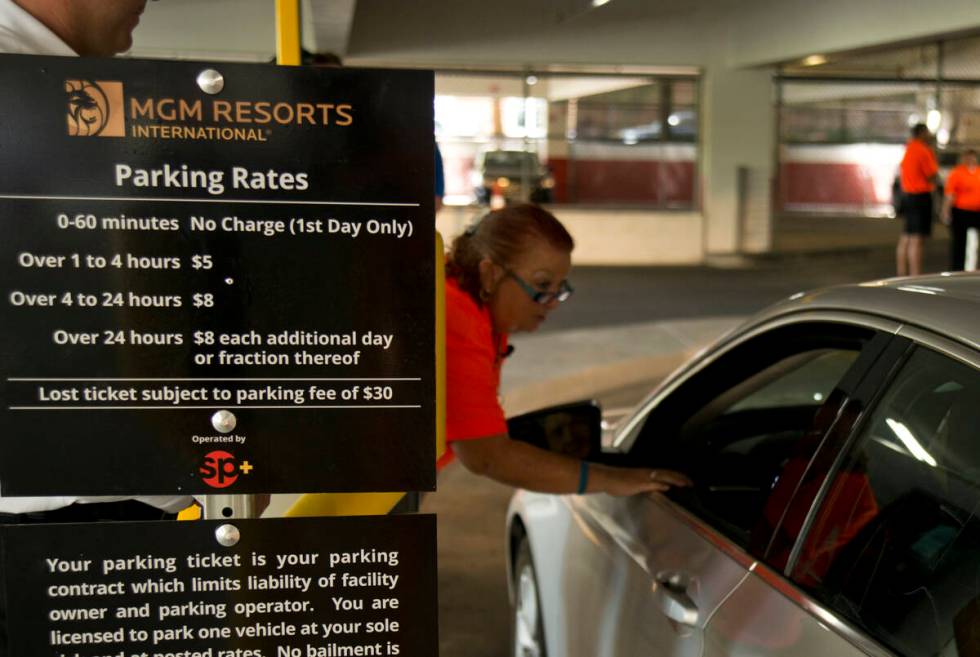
890, 560
643, 575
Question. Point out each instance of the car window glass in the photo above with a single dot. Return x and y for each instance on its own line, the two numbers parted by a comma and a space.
895, 545
738, 425
808, 380
737, 451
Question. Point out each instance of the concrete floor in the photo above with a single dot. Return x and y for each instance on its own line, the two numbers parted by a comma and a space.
613, 296
474, 614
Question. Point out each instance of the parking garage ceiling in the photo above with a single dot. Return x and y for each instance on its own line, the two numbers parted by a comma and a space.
516, 33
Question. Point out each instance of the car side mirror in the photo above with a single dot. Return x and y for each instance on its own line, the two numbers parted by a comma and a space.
571, 429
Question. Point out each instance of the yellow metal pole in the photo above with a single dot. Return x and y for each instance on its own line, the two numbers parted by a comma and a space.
343, 504
287, 33
440, 347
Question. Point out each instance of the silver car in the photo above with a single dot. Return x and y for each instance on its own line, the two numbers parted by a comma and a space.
834, 442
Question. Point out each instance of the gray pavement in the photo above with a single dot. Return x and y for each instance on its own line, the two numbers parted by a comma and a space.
614, 296
563, 366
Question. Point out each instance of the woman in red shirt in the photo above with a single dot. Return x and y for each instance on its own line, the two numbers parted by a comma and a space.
961, 209
505, 274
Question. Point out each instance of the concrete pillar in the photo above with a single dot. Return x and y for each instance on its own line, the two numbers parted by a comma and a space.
738, 131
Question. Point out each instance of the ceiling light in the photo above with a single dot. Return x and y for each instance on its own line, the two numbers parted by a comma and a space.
933, 120
599, 3
814, 60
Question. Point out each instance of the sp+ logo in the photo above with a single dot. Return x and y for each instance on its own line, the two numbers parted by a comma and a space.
221, 469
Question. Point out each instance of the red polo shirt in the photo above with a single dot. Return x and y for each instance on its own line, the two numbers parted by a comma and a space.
918, 166
473, 359
963, 185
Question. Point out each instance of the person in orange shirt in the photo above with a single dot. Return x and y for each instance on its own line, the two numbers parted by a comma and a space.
918, 178
961, 207
507, 273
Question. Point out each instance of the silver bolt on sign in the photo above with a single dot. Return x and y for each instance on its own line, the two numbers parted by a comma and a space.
224, 421
210, 81
227, 535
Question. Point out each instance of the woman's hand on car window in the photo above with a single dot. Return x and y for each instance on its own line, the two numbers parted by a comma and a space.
633, 481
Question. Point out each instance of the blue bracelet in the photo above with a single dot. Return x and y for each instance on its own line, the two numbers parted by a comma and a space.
583, 477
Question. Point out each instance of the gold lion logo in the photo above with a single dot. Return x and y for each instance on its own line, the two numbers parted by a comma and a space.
95, 108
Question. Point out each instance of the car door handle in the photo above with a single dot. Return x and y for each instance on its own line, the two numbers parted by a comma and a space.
670, 593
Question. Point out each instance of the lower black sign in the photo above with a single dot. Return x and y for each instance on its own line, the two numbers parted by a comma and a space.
310, 587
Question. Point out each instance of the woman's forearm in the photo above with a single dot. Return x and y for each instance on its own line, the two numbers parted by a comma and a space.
522, 465
519, 464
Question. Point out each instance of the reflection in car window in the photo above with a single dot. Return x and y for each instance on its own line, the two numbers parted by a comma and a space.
747, 421
808, 381
743, 448
895, 546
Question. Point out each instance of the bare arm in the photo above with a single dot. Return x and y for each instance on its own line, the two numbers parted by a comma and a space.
519, 464
930, 169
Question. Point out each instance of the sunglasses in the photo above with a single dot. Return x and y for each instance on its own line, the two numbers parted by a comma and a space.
544, 298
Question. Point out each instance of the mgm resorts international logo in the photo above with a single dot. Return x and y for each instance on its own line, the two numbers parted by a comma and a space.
99, 108
95, 108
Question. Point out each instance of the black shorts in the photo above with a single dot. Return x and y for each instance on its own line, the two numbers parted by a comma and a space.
918, 214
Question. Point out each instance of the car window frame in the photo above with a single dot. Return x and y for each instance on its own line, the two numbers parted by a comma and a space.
883, 330
628, 431
775, 579
861, 400
779, 580
916, 339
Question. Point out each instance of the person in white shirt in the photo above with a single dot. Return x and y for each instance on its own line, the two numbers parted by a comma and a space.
69, 28
90, 28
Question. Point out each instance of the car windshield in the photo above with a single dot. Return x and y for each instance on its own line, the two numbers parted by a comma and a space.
510, 159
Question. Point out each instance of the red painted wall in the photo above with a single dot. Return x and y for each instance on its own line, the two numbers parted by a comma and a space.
626, 181
827, 183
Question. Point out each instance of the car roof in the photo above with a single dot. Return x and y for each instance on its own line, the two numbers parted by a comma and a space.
947, 304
